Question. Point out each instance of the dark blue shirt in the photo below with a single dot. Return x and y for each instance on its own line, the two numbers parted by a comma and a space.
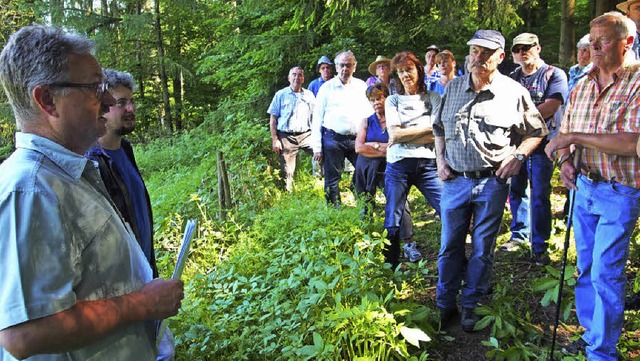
375, 133
134, 184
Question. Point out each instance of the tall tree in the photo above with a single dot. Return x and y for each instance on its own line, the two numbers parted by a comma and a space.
162, 71
567, 33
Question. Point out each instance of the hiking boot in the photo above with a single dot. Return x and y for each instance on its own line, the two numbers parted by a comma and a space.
411, 252
541, 259
577, 346
511, 246
632, 302
469, 319
447, 315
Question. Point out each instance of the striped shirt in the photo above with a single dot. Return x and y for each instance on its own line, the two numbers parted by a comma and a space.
481, 129
614, 109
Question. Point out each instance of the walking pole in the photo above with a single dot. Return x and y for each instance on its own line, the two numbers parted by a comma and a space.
576, 164
530, 176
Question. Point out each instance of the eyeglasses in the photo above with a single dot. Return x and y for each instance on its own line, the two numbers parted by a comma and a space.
345, 65
526, 48
124, 102
99, 87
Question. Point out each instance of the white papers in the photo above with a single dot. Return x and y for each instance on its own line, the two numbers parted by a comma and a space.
182, 260
184, 249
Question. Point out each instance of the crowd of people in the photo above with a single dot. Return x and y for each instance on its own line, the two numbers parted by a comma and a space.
77, 252
474, 138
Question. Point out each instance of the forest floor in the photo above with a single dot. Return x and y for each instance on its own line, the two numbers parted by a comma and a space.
516, 270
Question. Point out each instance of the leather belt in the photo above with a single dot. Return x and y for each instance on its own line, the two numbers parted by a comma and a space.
348, 136
485, 173
593, 176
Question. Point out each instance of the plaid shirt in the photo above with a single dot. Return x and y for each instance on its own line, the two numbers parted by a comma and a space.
482, 129
614, 109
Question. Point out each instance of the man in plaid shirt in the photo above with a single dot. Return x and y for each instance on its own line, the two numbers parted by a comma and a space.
487, 126
602, 118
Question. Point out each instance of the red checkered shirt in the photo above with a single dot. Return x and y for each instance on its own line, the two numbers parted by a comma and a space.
614, 109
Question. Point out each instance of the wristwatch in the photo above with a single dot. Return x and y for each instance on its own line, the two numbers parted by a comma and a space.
519, 156
376, 146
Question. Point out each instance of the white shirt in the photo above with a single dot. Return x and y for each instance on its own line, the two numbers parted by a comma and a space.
339, 107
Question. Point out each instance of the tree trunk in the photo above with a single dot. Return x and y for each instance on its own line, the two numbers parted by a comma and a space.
566, 53
602, 6
139, 52
177, 96
163, 72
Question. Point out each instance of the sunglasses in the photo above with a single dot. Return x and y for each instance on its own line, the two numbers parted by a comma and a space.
99, 87
526, 48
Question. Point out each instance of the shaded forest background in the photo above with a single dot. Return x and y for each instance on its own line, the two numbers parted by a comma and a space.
190, 56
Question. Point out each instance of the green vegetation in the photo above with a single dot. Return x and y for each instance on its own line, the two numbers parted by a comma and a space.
287, 278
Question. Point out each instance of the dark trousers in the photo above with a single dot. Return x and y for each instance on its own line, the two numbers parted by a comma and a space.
335, 148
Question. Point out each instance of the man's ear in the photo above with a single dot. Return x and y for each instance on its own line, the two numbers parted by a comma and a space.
44, 98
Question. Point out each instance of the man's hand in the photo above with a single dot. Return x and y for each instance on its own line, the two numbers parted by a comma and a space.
162, 298
276, 145
317, 156
444, 170
560, 142
509, 167
568, 175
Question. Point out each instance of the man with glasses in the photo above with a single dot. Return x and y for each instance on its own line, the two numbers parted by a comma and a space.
340, 107
121, 176
603, 119
290, 115
76, 284
529, 197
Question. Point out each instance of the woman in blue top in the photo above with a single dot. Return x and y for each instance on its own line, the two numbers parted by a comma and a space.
371, 146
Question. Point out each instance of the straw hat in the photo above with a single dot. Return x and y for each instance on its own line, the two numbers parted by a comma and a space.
374, 65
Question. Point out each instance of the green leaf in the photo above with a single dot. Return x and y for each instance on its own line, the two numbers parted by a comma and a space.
414, 335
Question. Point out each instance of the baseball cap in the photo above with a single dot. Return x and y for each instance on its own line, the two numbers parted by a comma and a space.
490, 39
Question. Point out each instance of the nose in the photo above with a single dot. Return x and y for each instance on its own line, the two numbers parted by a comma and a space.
108, 99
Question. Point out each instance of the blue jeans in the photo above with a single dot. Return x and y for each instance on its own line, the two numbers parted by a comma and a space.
398, 179
462, 197
604, 216
537, 201
369, 176
335, 148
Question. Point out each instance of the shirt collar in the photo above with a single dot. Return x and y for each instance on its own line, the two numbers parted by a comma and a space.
71, 163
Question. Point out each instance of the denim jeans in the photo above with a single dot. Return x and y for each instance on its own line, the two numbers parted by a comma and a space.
604, 216
335, 148
462, 197
536, 199
368, 177
398, 179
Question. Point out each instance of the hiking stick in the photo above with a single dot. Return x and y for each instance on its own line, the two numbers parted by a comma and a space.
572, 194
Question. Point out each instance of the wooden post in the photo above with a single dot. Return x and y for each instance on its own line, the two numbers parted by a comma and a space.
224, 191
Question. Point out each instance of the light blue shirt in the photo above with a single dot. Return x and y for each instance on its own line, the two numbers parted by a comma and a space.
63, 241
293, 110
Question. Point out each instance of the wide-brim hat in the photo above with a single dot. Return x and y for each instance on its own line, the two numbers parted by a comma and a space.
624, 6
490, 39
374, 65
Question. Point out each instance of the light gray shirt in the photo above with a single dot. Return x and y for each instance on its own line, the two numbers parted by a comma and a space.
411, 110
63, 241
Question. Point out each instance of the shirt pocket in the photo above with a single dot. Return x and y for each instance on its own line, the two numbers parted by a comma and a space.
493, 132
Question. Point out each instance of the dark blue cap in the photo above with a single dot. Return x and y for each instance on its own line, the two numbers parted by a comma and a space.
490, 39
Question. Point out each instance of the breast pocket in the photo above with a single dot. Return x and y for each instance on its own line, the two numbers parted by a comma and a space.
493, 132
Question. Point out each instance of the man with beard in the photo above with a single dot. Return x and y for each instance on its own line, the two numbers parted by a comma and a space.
121, 176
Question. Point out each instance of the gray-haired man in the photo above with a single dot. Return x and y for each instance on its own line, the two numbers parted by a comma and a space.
76, 284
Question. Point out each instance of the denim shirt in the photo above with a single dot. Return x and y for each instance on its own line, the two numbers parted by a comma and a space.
63, 241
